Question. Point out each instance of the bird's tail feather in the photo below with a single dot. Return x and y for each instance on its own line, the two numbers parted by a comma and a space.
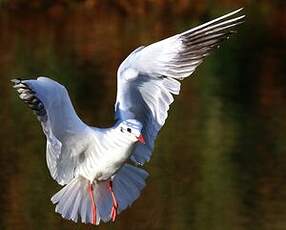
73, 201
127, 185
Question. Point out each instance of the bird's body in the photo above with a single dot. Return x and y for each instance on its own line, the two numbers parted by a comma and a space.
98, 153
105, 151
91, 163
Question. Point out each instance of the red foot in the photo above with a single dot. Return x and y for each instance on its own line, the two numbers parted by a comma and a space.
93, 207
114, 203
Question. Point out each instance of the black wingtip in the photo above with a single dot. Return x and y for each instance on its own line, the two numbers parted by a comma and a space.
19, 83
16, 81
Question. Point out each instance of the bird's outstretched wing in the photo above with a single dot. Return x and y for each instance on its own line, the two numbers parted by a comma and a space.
51, 103
148, 77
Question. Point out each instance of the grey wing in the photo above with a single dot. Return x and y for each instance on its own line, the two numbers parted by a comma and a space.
50, 102
149, 77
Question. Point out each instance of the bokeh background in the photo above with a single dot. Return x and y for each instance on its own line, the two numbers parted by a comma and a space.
220, 160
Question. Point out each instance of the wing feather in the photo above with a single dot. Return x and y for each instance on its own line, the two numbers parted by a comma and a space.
50, 102
148, 78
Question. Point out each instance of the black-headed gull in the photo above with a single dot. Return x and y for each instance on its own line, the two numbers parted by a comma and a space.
91, 163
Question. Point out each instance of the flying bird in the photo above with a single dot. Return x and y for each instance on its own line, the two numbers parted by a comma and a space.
101, 170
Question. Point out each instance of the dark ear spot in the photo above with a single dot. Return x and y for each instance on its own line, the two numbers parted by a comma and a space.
81, 157
128, 130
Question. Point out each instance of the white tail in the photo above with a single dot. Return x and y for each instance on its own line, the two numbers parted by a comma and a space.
73, 200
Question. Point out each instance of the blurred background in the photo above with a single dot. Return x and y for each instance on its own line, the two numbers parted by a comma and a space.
220, 160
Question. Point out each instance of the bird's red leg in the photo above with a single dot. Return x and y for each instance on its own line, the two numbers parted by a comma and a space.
114, 203
93, 207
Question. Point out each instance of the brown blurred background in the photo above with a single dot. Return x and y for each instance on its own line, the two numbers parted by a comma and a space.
220, 160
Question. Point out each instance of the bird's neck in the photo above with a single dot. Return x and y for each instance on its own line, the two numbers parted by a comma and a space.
115, 138
115, 146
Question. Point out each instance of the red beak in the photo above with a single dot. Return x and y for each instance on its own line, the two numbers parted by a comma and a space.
141, 139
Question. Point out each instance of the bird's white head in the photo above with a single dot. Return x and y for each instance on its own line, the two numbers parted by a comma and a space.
132, 128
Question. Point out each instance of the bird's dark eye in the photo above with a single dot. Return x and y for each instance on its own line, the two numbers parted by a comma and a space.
121, 129
128, 130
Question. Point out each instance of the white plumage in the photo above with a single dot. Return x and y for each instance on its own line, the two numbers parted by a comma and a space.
91, 163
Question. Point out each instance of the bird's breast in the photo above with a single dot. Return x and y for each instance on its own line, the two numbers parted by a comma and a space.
104, 158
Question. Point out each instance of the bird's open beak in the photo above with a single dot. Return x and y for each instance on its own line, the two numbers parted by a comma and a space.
141, 139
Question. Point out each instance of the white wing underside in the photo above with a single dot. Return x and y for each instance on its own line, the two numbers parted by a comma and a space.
52, 105
148, 77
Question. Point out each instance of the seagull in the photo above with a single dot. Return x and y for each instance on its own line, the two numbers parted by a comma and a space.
101, 169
